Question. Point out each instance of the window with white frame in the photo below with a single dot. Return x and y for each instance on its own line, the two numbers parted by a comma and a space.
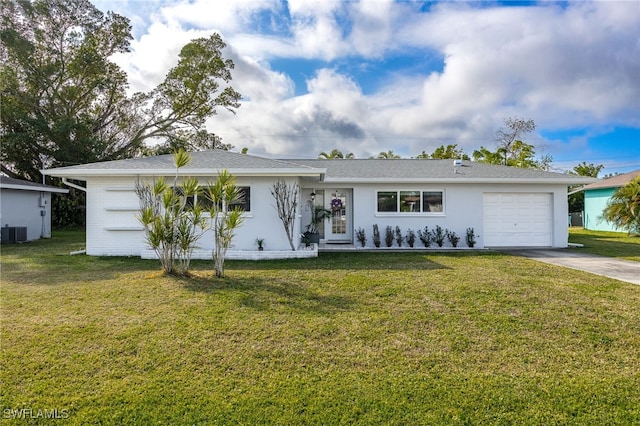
244, 203
410, 201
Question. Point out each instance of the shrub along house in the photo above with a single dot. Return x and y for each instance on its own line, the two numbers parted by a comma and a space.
505, 206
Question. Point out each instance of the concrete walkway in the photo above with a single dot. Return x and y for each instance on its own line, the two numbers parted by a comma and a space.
623, 270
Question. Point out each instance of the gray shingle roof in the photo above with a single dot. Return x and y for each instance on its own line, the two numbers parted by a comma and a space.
613, 182
429, 170
201, 162
11, 183
342, 170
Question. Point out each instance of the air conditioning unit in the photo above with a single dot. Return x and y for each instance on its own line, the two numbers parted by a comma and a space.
13, 234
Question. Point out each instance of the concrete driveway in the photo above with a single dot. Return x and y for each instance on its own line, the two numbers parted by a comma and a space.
623, 270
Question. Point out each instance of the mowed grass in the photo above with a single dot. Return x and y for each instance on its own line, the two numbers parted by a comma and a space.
362, 338
612, 244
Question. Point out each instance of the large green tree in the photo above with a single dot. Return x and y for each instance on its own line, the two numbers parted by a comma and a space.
445, 153
623, 209
511, 150
64, 101
590, 170
513, 130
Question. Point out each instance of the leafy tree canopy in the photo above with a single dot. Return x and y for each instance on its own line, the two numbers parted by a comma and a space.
512, 151
576, 200
584, 169
65, 102
512, 131
445, 153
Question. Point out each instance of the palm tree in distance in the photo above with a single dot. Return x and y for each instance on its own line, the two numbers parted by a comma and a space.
388, 155
335, 154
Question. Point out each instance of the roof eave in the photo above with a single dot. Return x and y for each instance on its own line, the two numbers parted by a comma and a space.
567, 182
34, 188
85, 173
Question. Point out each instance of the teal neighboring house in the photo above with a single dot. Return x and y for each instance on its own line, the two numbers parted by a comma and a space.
596, 197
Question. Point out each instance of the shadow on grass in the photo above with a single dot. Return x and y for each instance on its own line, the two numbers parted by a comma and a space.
612, 244
418, 261
49, 262
270, 294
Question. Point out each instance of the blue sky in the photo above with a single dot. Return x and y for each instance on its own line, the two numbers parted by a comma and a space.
409, 76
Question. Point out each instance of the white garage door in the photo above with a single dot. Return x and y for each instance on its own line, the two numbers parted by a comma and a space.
517, 220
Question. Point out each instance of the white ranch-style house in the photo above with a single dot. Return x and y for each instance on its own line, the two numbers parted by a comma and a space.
506, 207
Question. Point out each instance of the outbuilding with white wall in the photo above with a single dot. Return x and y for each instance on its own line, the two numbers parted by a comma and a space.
25, 209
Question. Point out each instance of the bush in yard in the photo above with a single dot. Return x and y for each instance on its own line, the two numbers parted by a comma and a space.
425, 236
470, 238
388, 237
376, 235
411, 237
453, 238
399, 238
438, 235
361, 237
172, 225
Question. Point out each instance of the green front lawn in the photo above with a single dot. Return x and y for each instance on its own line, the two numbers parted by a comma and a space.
362, 338
612, 244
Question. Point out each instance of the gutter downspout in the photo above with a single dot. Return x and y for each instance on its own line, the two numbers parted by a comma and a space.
73, 185
43, 213
83, 189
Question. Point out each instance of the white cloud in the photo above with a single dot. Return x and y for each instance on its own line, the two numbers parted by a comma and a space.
226, 16
541, 60
315, 29
564, 67
372, 26
332, 112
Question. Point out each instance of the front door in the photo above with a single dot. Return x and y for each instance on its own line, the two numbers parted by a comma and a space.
339, 229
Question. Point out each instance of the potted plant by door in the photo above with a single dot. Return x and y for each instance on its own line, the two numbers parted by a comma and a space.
260, 243
318, 215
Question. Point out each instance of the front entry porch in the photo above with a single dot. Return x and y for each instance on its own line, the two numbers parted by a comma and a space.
325, 247
336, 226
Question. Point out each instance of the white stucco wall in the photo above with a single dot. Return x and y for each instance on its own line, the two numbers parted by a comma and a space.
113, 230
463, 206
112, 205
22, 208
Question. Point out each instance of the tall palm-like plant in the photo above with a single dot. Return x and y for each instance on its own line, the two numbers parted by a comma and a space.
623, 209
172, 224
222, 194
